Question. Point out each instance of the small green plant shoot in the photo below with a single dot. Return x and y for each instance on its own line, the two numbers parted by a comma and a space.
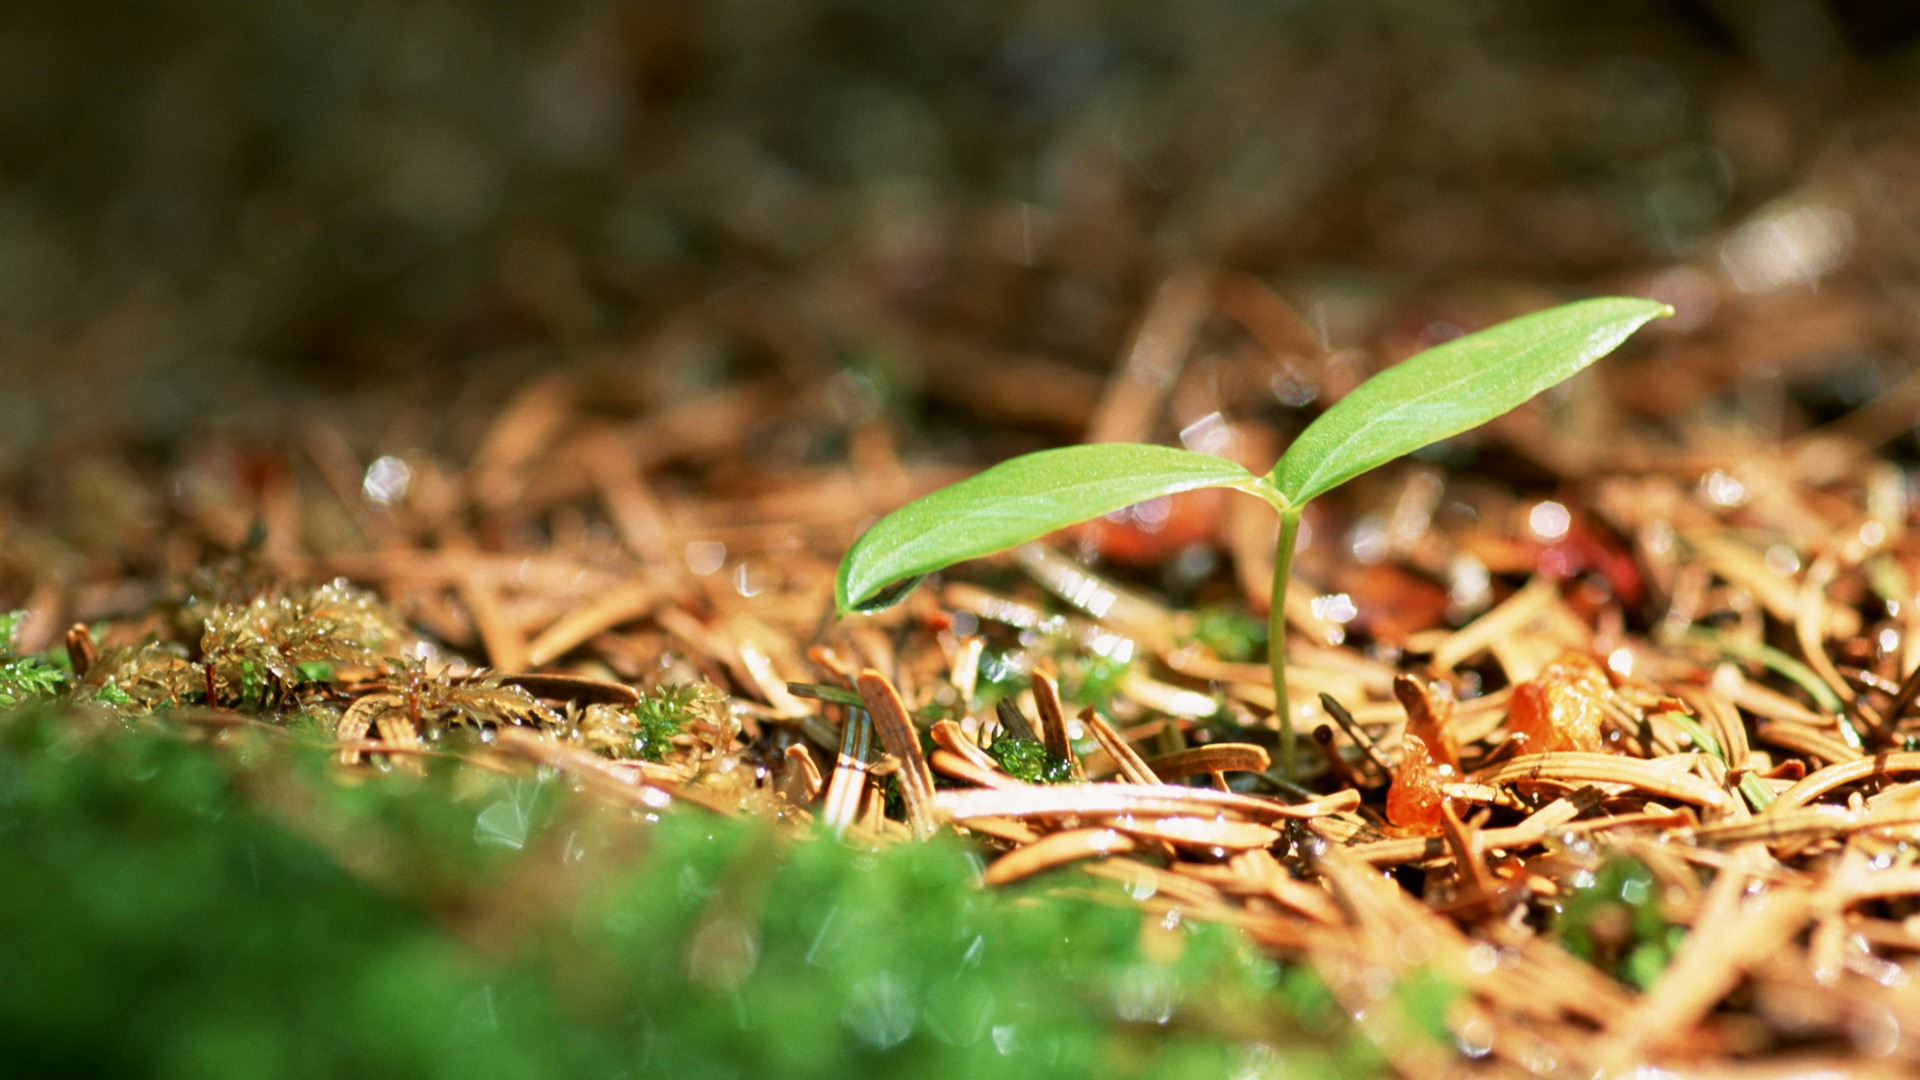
1436, 394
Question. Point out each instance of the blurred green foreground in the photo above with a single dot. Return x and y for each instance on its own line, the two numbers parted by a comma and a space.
174, 909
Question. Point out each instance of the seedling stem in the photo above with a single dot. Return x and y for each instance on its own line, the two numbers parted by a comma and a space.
1277, 635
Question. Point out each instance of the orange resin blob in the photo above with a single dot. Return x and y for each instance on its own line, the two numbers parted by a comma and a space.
1560, 708
1414, 799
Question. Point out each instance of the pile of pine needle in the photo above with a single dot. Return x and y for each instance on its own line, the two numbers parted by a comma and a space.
1612, 703
1660, 667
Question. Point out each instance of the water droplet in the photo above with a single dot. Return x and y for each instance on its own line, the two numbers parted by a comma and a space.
705, 556
1539, 1058
1195, 563
751, 578
1787, 243
1474, 1036
959, 1010
880, 1010
1548, 521
822, 938
1143, 887
1369, 540
1723, 489
1116, 647
1334, 607
387, 480
1211, 434
477, 1014
1004, 1038
1482, 958
502, 824
1146, 994
1260, 1061
854, 395
724, 951
1292, 389
1783, 560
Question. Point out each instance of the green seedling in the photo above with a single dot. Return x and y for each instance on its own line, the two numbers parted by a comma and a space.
1436, 394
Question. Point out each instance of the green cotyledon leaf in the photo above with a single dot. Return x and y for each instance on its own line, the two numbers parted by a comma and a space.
1014, 502
1453, 387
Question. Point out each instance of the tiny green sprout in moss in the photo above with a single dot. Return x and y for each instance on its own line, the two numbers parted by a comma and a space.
1439, 393
893, 804
1617, 923
1230, 633
1092, 678
113, 695
24, 678
666, 712
1029, 760
253, 684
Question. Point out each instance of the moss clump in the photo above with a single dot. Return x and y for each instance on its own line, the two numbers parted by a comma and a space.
1093, 679
647, 730
1029, 760
1617, 923
255, 648
162, 921
668, 711
1230, 633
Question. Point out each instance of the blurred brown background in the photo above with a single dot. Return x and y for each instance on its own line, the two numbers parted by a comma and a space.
226, 216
